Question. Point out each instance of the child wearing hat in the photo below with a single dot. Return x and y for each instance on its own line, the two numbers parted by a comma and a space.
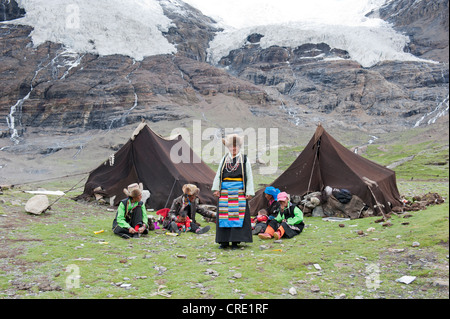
131, 218
288, 222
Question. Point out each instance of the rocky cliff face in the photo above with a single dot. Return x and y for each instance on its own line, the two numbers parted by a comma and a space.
51, 86
192, 31
10, 10
315, 77
425, 22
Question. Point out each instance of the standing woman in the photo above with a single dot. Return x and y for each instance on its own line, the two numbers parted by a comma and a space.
233, 185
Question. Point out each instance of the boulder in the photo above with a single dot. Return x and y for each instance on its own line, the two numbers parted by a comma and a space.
37, 204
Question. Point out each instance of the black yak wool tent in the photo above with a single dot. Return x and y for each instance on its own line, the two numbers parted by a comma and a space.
146, 159
325, 162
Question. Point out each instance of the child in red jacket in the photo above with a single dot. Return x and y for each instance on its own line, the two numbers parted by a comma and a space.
183, 222
259, 223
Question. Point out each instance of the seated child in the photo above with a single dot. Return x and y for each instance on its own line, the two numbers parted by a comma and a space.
259, 222
183, 222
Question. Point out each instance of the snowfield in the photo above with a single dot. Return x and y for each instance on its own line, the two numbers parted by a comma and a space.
342, 24
134, 27
105, 27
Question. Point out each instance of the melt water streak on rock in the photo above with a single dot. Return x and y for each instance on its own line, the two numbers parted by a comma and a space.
123, 117
17, 108
70, 60
439, 111
10, 119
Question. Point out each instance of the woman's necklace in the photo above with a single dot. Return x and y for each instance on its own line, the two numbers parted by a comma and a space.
230, 167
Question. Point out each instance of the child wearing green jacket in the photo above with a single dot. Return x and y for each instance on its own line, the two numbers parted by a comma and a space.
131, 217
288, 222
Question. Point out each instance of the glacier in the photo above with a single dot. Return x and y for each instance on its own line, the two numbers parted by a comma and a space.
135, 27
105, 27
342, 24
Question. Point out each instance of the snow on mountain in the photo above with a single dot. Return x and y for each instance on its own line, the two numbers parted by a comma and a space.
341, 24
135, 27
105, 27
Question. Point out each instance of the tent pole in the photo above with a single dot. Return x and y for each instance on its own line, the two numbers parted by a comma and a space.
167, 201
369, 184
378, 203
312, 171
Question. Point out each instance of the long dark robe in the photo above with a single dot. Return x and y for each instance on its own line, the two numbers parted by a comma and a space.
235, 234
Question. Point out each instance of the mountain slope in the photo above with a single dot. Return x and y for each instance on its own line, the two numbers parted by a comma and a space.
424, 22
106, 64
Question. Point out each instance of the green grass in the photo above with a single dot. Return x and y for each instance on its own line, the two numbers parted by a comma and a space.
66, 238
430, 159
44, 249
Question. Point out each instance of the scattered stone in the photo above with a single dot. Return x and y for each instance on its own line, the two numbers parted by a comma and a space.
360, 232
211, 272
182, 256
237, 275
84, 259
342, 225
415, 244
396, 250
315, 289
293, 291
47, 286
317, 266
317, 273
341, 296
161, 270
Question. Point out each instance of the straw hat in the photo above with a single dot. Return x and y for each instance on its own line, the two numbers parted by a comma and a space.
233, 139
127, 191
190, 189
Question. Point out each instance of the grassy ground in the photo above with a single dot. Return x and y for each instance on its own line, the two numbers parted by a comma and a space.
58, 255
48, 251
